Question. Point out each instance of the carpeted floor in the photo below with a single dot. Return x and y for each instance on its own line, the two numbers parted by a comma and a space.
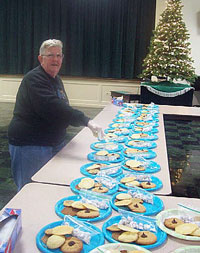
7, 186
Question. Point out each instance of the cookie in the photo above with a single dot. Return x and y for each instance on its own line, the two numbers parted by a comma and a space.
93, 171
102, 153
127, 229
124, 202
62, 230
146, 238
100, 189
55, 241
148, 185
137, 200
114, 228
171, 223
133, 163
45, 238
127, 179
91, 207
196, 232
137, 207
122, 196
133, 183
72, 245
128, 237
115, 235
186, 228
68, 210
86, 183
87, 214
78, 205
68, 202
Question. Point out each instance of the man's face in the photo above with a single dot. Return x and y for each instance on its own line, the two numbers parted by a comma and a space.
51, 60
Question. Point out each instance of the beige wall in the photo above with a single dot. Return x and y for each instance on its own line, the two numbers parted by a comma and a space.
81, 92
191, 17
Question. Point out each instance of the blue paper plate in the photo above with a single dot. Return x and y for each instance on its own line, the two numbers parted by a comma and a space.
154, 180
144, 144
91, 157
147, 155
161, 236
77, 181
135, 129
152, 167
150, 209
114, 125
104, 213
149, 137
154, 119
115, 131
124, 120
84, 171
96, 241
146, 123
119, 147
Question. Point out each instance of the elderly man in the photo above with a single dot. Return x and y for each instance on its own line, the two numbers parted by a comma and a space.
41, 115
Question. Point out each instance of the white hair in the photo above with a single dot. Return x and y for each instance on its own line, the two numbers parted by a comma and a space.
50, 43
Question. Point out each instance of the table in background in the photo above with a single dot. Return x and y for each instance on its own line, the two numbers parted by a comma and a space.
165, 93
65, 166
127, 96
37, 202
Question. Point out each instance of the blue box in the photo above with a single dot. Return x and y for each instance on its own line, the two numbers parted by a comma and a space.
10, 227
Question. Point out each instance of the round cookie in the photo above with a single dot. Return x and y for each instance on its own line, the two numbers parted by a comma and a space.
128, 237
122, 196
133, 183
100, 189
114, 228
171, 223
68, 202
137, 200
87, 214
68, 210
146, 238
186, 228
137, 207
115, 235
124, 202
55, 241
72, 245
148, 185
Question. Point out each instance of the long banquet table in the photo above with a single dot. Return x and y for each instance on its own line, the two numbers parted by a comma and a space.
65, 166
37, 202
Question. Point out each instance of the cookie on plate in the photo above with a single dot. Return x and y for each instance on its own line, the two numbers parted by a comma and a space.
148, 185
146, 238
88, 214
186, 228
171, 223
137, 207
72, 245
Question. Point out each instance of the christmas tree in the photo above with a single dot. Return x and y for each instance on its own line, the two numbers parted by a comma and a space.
169, 51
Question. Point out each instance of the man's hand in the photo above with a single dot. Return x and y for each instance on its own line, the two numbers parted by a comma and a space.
96, 130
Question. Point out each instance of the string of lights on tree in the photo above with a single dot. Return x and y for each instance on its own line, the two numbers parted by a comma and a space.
169, 51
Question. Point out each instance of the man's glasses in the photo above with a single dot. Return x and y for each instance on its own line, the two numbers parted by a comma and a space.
52, 56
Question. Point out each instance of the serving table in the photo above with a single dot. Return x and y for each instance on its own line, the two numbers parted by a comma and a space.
65, 166
37, 202
166, 93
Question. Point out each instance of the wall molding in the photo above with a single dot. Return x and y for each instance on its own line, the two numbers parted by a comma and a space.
86, 92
